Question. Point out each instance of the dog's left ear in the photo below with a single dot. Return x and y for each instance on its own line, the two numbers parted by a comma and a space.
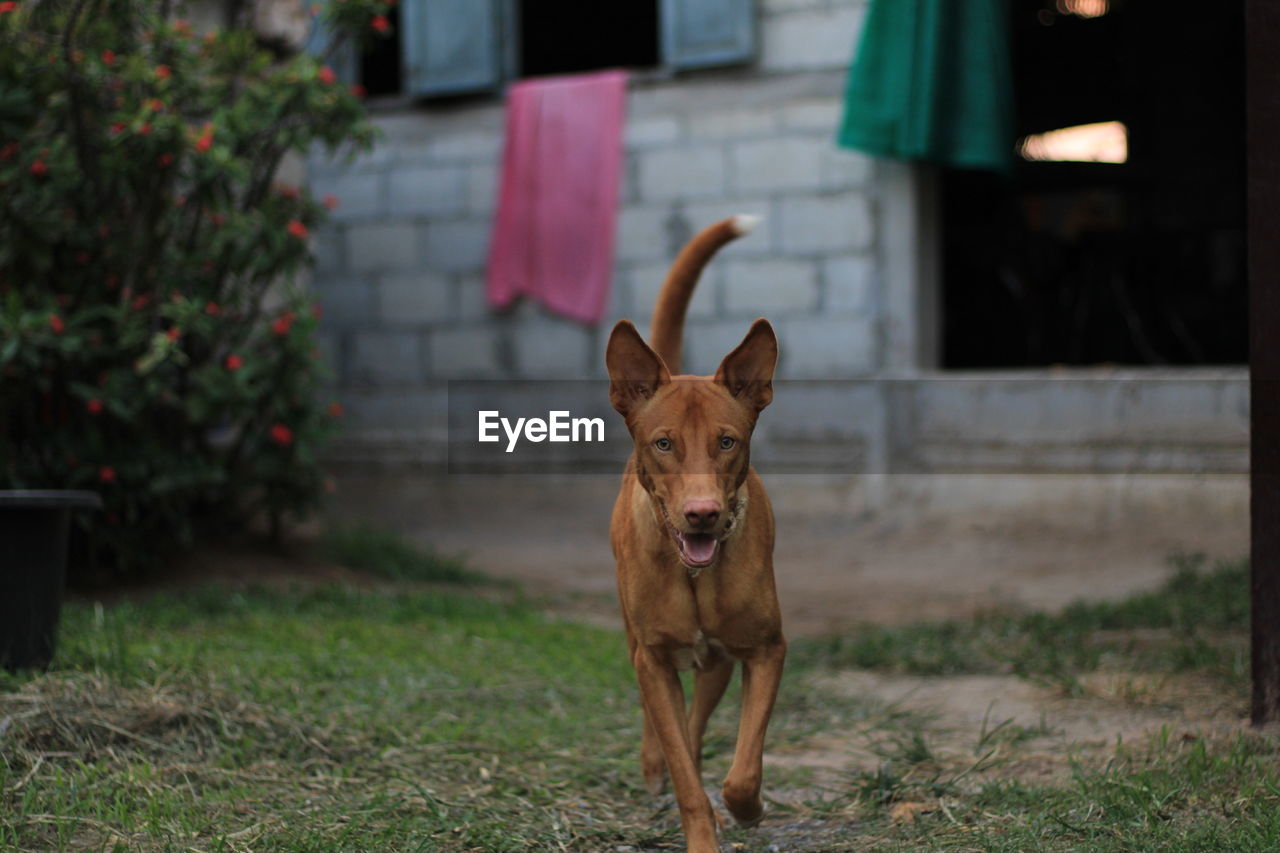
747, 372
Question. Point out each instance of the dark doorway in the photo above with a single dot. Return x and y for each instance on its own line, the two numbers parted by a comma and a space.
566, 36
1133, 262
381, 59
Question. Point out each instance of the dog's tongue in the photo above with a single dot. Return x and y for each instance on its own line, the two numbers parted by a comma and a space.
699, 547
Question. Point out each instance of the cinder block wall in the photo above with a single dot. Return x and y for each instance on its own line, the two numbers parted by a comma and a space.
400, 272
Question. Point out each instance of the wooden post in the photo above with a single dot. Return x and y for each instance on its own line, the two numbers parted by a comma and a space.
1262, 37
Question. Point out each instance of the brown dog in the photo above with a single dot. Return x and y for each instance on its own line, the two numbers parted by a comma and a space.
692, 533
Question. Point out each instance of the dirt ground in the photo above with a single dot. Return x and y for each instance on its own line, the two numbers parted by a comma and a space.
832, 570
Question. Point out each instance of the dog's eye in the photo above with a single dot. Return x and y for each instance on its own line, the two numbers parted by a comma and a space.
726, 443
663, 444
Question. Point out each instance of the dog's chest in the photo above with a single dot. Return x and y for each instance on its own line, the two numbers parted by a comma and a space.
698, 654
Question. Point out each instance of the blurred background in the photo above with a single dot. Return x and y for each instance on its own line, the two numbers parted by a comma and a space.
1049, 343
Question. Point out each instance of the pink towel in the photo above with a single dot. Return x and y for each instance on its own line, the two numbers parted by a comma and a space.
554, 230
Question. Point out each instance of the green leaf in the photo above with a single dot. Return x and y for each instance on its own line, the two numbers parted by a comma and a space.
9, 350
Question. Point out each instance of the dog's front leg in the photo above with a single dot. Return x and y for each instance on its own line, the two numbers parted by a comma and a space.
761, 672
663, 699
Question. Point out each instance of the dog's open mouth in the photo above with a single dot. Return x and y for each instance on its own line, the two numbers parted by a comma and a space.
697, 550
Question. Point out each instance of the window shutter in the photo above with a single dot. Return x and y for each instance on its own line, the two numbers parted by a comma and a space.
345, 62
452, 46
702, 33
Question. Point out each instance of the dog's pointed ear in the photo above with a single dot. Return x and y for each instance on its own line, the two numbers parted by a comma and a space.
636, 372
747, 372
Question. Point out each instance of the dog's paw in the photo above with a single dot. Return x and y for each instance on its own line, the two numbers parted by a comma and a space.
746, 821
656, 781
653, 767
747, 809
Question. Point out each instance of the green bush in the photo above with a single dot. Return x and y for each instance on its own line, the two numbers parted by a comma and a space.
154, 344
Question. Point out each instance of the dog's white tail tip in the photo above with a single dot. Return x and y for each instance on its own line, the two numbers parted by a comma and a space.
744, 223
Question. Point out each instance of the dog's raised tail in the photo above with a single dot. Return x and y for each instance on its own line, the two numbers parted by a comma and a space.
667, 333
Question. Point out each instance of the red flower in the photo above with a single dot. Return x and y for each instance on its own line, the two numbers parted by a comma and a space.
212, 309
297, 229
357, 90
166, 159
94, 406
281, 435
162, 72
234, 362
56, 323
173, 334
380, 23
108, 57
335, 409
331, 202
117, 128
145, 130
8, 6
327, 76
39, 168
205, 142
283, 323
155, 104
107, 474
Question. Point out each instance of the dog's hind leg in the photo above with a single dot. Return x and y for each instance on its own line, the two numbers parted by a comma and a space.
709, 683
652, 764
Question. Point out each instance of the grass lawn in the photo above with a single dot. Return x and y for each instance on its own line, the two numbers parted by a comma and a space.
413, 717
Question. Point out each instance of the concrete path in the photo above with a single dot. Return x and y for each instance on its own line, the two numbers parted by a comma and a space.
834, 568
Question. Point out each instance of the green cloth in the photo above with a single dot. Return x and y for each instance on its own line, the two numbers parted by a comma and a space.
932, 81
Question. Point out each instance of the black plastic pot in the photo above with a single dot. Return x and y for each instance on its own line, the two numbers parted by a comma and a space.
34, 526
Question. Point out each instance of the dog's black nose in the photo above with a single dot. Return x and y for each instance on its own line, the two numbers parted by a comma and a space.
701, 514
